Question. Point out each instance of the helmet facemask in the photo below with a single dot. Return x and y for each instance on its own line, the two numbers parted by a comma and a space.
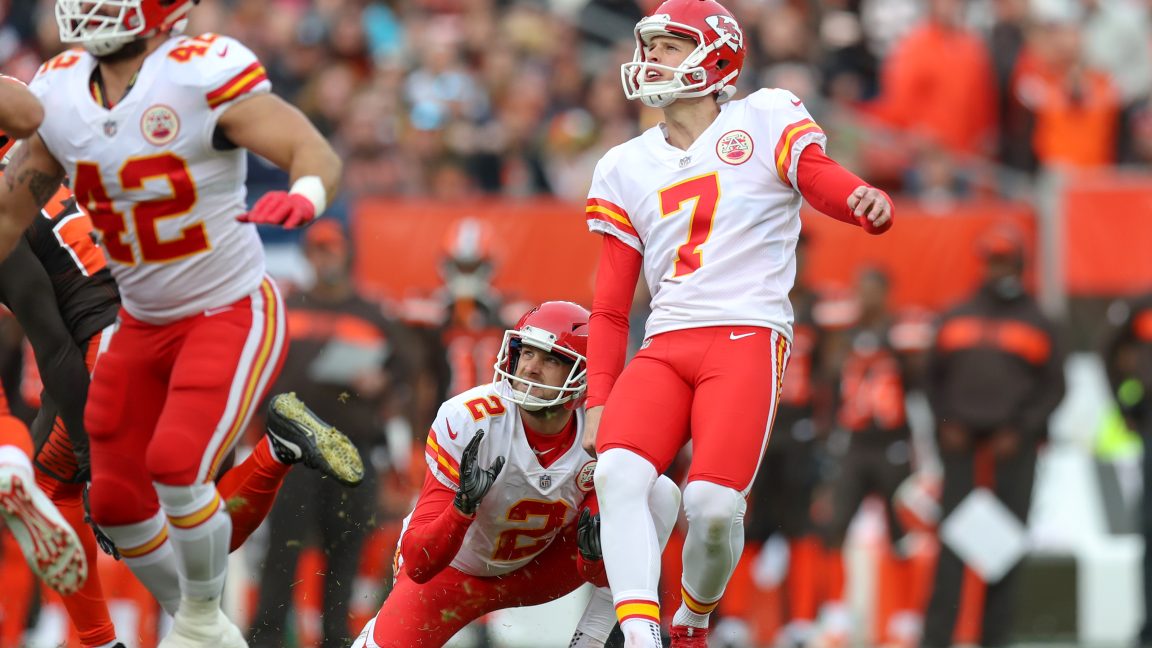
103, 27
534, 396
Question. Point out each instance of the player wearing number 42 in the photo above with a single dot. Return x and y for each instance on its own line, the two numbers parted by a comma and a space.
151, 127
507, 517
708, 204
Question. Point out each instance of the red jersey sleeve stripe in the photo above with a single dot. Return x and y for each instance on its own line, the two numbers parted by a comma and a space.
603, 210
787, 139
443, 459
249, 78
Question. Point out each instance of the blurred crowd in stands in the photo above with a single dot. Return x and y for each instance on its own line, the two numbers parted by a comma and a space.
940, 99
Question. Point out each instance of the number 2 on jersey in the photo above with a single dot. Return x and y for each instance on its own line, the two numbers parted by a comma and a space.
509, 546
705, 192
481, 408
92, 195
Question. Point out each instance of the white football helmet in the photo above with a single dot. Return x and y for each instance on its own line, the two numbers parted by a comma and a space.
104, 26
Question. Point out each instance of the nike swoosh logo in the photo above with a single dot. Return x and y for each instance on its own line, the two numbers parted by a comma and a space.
733, 336
451, 434
797, 102
216, 311
222, 53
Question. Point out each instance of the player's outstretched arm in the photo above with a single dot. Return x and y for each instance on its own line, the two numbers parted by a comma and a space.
27, 290
271, 128
33, 176
20, 110
443, 515
839, 193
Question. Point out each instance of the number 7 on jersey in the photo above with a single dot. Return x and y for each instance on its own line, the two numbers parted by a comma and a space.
705, 192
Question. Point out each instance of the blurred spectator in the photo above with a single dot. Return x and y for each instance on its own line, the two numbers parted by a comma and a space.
844, 53
1128, 360
995, 375
1118, 41
1075, 108
603, 23
440, 90
1006, 38
936, 181
939, 66
874, 455
344, 360
462, 323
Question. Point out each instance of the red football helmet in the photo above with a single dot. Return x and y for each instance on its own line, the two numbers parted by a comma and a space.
709, 69
557, 327
104, 26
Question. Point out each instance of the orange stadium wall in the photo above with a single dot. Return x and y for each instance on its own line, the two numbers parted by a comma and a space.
544, 251
1107, 233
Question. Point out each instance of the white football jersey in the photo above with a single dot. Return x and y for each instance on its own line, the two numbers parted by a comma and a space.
528, 505
717, 224
164, 199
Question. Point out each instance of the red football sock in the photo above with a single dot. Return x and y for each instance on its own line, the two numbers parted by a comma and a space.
834, 578
803, 584
87, 608
249, 490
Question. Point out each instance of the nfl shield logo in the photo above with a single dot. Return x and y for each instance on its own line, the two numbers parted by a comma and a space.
545, 482
110, 128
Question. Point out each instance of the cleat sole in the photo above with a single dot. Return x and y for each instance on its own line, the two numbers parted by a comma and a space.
335, 454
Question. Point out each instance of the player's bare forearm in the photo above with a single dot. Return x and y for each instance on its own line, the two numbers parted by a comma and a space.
315, 157
278, 132
20, 110
29, 182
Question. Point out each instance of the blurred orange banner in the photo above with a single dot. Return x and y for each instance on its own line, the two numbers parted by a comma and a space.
543, 249
1108, 234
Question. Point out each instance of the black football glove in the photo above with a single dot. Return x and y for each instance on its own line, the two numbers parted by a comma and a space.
102, 539
474, 480
588, 535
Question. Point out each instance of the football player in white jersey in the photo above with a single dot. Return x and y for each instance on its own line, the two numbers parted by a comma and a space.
507, 515
708, 203
150, 126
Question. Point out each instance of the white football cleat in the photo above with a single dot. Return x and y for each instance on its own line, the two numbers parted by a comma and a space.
202, 624
49, 543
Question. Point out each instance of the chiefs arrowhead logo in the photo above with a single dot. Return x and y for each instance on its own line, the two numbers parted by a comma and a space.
735, 147
584, 479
